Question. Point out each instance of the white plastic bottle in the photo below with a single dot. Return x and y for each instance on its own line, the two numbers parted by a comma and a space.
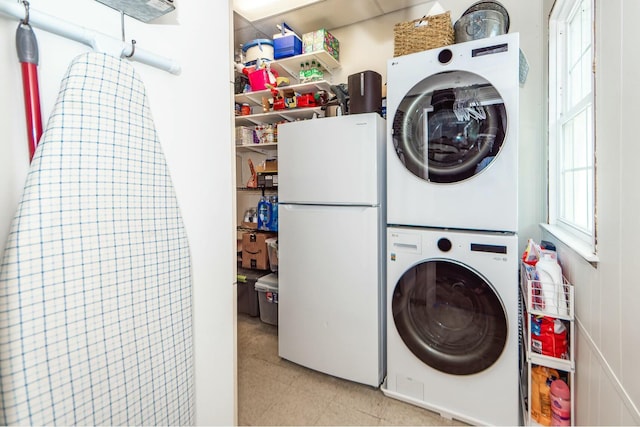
550, 276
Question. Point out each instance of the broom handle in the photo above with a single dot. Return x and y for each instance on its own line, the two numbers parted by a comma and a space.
27, 48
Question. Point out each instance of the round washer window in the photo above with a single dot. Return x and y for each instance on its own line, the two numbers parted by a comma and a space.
449, 127
449, 317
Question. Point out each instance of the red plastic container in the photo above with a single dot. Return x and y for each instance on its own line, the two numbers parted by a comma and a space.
306, 100
278, 104
259, 79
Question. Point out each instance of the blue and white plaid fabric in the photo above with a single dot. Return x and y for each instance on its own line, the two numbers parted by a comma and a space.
95, 282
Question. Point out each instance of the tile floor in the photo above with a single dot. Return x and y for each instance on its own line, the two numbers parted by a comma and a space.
274, 391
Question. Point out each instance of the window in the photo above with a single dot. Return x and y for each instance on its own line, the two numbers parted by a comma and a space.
571, 121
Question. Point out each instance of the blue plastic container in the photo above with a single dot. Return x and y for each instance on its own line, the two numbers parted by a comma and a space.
284, 47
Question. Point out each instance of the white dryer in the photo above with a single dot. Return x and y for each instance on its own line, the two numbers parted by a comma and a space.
452, 136
452, 323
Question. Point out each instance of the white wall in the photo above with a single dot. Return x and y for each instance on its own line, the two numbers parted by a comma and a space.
608, 296
192, 113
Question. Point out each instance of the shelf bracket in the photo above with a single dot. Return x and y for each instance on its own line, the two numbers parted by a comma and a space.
290, 72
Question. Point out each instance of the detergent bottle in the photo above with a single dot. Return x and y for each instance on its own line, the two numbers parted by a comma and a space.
550, 276
264, 213
273, 223
560, 396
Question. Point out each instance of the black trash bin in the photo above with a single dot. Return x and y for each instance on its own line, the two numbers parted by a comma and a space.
247, 295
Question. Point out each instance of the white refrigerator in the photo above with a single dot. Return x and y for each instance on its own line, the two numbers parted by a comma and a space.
331, 245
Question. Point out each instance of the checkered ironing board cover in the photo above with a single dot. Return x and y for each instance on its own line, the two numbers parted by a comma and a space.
95, 281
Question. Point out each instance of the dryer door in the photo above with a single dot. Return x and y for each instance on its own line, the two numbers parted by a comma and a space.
449, 317
449, 127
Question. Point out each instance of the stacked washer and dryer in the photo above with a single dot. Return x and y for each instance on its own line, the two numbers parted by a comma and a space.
452, 215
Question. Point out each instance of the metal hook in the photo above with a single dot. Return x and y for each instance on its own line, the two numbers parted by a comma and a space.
133, 49
133, 42
25, 21
122, 24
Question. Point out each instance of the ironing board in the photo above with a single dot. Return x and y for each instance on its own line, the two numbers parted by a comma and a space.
95, 280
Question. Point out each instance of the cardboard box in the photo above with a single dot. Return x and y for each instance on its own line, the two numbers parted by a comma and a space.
321, 40
268, 165
307, 42
255, 254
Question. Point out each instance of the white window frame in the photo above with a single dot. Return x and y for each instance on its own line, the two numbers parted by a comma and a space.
579, 238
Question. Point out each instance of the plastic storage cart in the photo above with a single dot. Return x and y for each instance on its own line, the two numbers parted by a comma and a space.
535, 355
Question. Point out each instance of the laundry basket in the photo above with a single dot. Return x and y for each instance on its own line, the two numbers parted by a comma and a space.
428, 32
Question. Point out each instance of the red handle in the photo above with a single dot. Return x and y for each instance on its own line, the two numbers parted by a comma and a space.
32, 105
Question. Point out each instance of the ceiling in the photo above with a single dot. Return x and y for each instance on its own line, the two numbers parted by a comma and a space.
329, 14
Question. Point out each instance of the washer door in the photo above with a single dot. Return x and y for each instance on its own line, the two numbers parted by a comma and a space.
449, 127
449, 317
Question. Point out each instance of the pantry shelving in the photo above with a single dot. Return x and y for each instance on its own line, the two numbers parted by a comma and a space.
534, 305
291, 65
256, 133
254, 99
278, 116
265, 190
290, 68
267, 149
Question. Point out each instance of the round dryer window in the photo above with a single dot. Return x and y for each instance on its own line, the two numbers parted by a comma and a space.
449, 317
449, 127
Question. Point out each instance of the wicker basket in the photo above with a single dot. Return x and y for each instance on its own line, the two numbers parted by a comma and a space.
421, 34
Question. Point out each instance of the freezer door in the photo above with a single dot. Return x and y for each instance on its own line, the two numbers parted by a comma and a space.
335, 160
330, 291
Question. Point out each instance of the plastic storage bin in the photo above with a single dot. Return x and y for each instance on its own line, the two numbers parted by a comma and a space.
258, 49
287, 46
259, 79
272, 250
247, 294
267, 288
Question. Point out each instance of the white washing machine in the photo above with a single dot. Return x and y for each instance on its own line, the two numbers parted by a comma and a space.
452, 323
452, 134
